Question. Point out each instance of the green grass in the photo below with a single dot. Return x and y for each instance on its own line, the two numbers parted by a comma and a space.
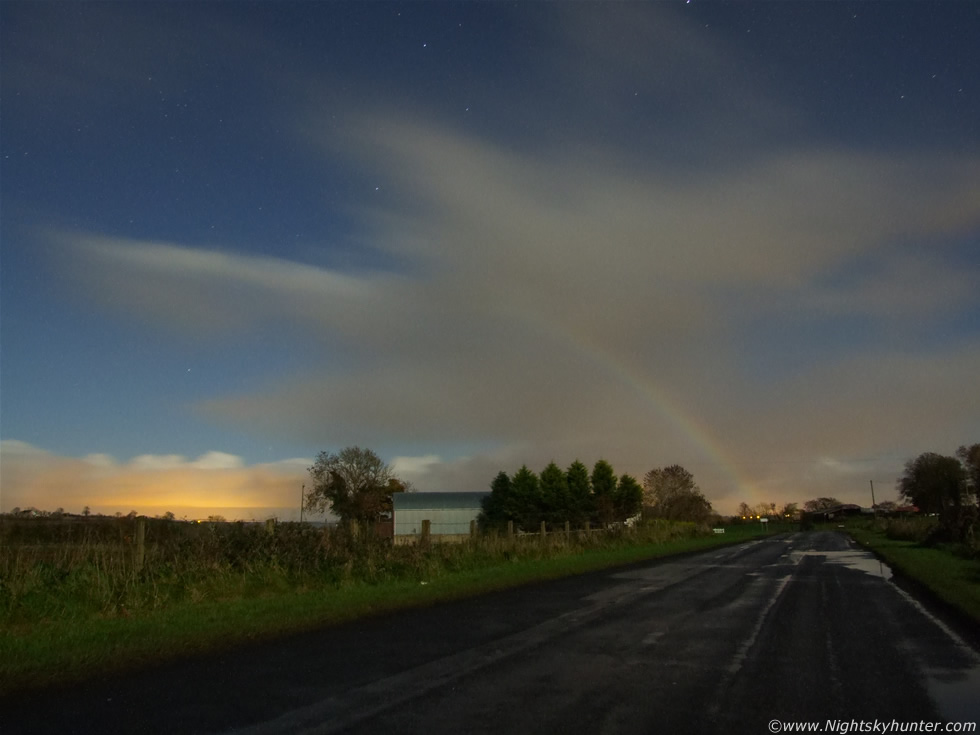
69, 641
951, 578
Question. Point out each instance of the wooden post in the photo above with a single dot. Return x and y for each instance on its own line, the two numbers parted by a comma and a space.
473, 530
354, 530
510, 529
544, 532
568, 530
426, 532
140, 542
270, 526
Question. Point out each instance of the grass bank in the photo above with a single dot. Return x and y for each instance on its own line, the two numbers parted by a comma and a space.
943, 570
54, 632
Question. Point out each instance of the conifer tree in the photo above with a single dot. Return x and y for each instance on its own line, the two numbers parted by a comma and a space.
579, 492
527, 499
554, 495
604, 491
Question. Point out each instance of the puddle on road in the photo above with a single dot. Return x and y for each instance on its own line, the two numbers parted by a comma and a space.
956, 693
954, 688
862, 561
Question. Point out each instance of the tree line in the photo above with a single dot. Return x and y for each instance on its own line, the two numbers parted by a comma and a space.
357, 485
576, 496
558, 496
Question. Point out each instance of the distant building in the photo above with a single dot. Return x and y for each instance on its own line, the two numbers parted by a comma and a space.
449, 515
834, 513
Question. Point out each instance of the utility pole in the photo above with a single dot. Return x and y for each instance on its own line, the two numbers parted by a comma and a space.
873, 504
302, 494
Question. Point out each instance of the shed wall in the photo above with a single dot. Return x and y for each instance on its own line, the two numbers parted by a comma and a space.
449, 514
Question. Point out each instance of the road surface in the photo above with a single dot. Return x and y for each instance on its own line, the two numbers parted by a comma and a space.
797, 628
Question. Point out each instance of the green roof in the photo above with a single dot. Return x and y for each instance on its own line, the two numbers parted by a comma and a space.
419, 501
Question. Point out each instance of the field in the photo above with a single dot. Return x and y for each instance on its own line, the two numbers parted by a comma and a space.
84, 595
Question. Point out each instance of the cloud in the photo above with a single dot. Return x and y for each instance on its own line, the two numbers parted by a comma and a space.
538, 220
99, 460
409, 466
910, 400
593, 286
905, 288
207, 461
150, 484
547, 276
562, 303
19, 450
217, 461
157, 462
197, 291
419, 471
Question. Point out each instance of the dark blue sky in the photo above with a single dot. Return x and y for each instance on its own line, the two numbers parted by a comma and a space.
472, 235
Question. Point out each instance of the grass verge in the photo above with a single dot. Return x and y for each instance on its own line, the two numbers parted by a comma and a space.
952, 579
52, 652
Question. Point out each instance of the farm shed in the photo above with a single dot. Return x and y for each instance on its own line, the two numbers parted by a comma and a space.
449, 514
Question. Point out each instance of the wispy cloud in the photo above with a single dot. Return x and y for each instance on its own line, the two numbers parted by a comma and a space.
566, 289
195, 290
539, 269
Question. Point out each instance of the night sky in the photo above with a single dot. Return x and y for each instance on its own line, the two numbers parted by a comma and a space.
742, 237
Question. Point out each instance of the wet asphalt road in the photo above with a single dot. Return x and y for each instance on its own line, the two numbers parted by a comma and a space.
802, 627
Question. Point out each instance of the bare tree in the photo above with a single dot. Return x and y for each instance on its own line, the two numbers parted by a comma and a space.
355, 484
671, 493
969, 457
812, 506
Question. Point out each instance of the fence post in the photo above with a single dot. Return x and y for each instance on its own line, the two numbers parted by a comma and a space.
270, 526
544, 532
426, 532
140, 542
472, 530
510, 529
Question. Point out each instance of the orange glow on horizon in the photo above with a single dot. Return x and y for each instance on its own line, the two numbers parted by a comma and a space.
47, 482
